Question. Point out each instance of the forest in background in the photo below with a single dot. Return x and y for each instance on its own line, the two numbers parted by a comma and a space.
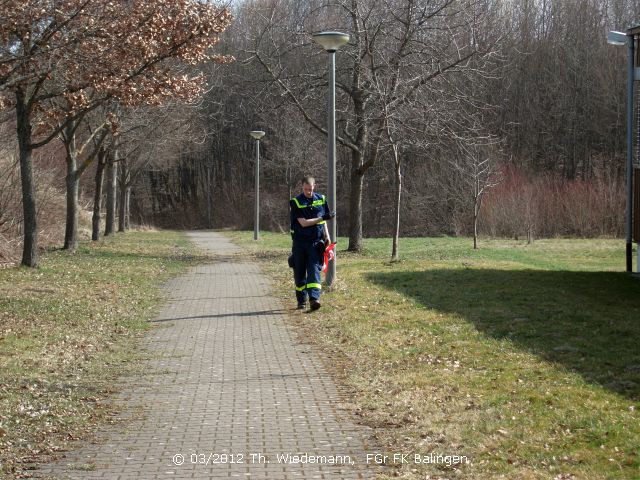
517, 107
548, 91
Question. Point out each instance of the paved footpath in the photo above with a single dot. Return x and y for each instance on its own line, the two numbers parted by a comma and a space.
227, 377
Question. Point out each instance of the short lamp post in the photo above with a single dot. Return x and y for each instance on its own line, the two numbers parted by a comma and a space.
331, 42
620, 38
257, 135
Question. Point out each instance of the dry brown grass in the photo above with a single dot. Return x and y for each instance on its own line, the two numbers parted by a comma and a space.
68, 334
522, 358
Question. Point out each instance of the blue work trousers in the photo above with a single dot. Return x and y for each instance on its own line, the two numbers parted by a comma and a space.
307, 260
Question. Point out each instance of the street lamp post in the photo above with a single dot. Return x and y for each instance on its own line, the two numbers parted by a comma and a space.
331, 42
620, 38
257, 135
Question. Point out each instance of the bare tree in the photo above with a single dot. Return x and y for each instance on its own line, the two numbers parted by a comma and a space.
78, 158
474, 162
401, 43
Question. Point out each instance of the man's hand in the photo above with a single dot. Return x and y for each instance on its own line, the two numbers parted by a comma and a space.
329, 215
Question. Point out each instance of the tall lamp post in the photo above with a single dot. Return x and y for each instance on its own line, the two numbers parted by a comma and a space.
257, 135
620, 38
331, 42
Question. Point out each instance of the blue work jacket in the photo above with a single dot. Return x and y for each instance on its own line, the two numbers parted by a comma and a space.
303, 207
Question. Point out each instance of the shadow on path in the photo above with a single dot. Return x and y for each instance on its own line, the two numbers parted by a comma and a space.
587, 321
224, 315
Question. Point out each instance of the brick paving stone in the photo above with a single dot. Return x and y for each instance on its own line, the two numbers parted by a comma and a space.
226, 377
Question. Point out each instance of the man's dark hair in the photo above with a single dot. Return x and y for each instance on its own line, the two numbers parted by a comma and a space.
308, 180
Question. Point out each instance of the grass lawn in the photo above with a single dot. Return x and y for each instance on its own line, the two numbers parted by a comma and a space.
68, 330
523, 358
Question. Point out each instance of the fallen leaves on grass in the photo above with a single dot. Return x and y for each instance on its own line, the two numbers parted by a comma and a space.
68, 331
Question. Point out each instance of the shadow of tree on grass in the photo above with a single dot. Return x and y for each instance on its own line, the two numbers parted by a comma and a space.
587, 321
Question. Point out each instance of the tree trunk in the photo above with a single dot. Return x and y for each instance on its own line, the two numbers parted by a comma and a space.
112, 183
396, 234
122, 193
127, 209
209, 216
121, 208
72, 179
97, 197
475, 231
23, 125
476, 213
71, 229
355, 203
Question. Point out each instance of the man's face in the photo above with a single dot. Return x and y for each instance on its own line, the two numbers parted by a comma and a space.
307, 189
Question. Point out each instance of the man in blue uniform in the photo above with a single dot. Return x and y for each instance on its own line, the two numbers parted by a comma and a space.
309, 213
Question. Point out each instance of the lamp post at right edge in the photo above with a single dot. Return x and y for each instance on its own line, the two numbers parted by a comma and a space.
331, 42
621, 38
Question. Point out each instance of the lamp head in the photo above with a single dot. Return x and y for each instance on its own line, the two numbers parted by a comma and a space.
257, 134
617, 38
331, 41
